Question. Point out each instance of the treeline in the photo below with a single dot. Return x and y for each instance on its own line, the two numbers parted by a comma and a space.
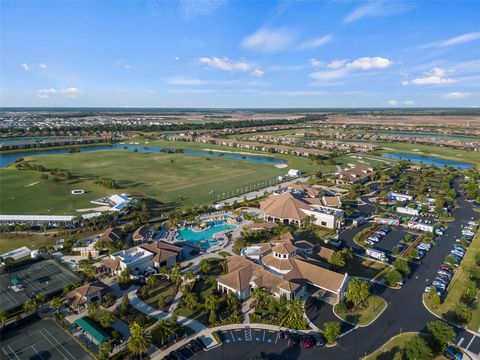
58, 174
107, 182
179, 126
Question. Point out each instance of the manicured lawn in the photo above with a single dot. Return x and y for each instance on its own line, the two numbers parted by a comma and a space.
457, 287
205, 286
364, 268
397, 343
170, 179
376, 304
13, 241
163, 288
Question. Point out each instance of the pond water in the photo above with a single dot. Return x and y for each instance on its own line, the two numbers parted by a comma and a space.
6, 159
205, 238
433, 135
428, 160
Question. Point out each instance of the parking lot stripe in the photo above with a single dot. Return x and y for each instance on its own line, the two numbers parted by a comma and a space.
233, 337
470, 343
460, 341
263, 336
277, 337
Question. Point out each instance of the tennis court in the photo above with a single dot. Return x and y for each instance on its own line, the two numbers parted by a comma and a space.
41, 340
46, 276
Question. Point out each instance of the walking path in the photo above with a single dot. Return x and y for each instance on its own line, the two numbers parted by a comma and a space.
158, 314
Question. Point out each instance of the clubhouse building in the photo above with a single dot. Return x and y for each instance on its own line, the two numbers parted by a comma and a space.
284, 269
293, 207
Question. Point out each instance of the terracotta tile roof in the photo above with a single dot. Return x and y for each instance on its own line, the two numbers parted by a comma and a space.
279, 264
287, 236
331, 201
112, 263
112, 234
325, 253
140, 234
284, 248
316, 275
162, 251
284, 206
79, 295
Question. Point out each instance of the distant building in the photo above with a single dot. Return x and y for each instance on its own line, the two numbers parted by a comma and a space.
80, 297
113, 234
141, 235
137, 259
86, 247
294, 173
354, 174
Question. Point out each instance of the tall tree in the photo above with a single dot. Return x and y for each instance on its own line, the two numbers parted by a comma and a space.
357, 292
163, 330
331, 331
440, 334
139, 341
417, 349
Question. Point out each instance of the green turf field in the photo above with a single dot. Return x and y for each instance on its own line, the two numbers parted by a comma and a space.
178, 179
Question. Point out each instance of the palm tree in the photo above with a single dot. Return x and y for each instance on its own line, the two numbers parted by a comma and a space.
211, 303
224, 265
295, 311
232, 300
29, 306
188, 277
107, 319
92, 308
258, 294
124, 276
176, 276
139, 342
190, 300
205, 267
3, 317
55, 303
151, 280
163, 330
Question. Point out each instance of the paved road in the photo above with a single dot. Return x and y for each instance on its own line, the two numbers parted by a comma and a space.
404, 313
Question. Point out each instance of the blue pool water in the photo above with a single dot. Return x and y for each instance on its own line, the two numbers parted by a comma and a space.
428, 160
6, 159
204, 238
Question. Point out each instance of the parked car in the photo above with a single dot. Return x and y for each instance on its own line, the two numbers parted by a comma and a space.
439, 284
446, 268
308, 341
457, 253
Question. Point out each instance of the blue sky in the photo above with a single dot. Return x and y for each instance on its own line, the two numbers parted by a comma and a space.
193, 53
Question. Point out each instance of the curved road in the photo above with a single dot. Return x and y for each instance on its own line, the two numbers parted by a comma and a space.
405, 310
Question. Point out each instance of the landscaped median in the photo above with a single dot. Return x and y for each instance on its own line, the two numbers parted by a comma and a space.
362, 316
461, 302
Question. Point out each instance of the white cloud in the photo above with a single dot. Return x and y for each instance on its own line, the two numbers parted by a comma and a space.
336, 64
461, 39
184, 81
329, 74
315, 43
193, 8
70, 93
257, 72
124, 64
375, 8
269, 40
341, 68
409, 102
392, 102
435, 76
177, 58
366, 63
456, 95
43, 66
227, 65
25, 66
315, 62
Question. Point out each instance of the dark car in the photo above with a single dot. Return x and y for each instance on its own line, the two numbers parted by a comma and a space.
308, 341
294, 339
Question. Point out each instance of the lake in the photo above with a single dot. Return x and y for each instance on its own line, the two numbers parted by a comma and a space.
7, 159
428, 160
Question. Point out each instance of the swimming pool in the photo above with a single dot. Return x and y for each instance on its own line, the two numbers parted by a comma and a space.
205, 238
